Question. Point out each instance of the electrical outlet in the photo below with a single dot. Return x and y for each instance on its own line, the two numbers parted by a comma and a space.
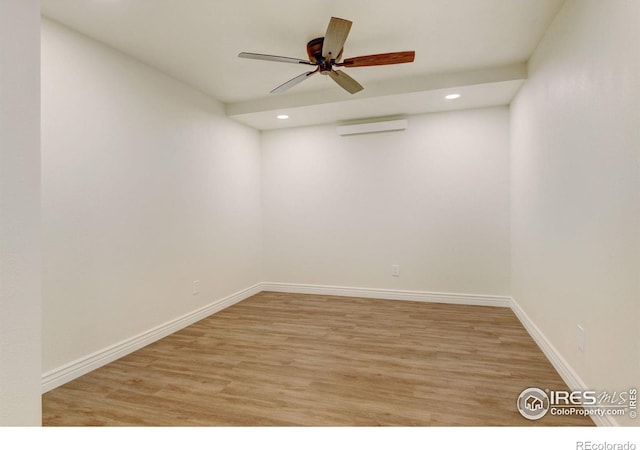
581, 337
395, 270
196, 287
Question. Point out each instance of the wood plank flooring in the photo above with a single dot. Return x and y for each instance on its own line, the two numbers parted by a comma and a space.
308, 360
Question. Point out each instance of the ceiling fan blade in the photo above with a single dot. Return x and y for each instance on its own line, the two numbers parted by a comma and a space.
291, 83
335, 37
345, 81
379, 60
284, 59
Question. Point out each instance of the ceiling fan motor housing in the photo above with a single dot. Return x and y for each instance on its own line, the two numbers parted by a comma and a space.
314, 51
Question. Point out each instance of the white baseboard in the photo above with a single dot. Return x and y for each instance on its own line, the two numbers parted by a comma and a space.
574, 382
390, 294
81, 366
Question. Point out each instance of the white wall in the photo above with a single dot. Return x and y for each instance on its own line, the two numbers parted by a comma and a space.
146, 188
433, 199
575, 141
20, 297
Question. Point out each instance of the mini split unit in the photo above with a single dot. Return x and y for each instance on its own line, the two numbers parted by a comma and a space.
372, 127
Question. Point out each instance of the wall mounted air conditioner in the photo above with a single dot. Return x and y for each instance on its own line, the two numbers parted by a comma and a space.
378, 126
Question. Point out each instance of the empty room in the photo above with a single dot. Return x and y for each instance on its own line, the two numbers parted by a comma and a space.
320, 213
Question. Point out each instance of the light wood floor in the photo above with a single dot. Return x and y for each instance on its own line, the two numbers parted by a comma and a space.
288, 359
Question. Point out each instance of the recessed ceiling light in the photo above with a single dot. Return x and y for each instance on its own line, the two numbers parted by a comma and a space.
452, 96
283, 116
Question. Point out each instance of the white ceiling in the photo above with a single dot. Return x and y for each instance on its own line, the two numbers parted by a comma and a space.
476, 47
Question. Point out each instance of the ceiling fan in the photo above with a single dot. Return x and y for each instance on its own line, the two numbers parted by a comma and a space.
326, 52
